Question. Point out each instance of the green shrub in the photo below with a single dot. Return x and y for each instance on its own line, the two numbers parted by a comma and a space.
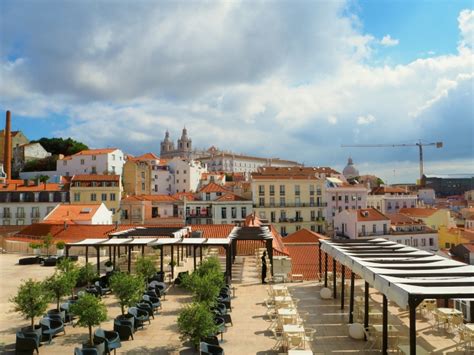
90, 312
87, 274
145, 267
196, 321
70, 269
31, 300
47, 242
209, 265
127, 288
60, 245
59, 285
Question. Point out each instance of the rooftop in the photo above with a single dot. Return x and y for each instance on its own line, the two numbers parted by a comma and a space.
71, 213
95, 177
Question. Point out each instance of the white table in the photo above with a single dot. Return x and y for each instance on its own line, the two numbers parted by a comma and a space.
293, 328
287, 312
300, 352
282, 299
450, 311
279, 287
469, 326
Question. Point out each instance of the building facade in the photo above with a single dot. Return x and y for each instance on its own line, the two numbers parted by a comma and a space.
151, 209
361, 223
184, 148
137, 177
24, 153
391, 199
92, 161
97, 189
17, 138
449, 185
26, 202
291, 198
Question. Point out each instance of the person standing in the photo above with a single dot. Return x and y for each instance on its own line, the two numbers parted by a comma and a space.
264, 267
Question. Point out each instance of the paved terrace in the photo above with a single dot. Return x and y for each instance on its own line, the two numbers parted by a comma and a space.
249, 335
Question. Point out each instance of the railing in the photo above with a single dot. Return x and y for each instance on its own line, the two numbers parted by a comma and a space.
35, 214
6, 215
369, 234
290, 205
290, 220
200, 215
20, 215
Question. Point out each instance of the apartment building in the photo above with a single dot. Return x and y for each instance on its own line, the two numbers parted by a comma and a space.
291, 198
389, 199
92, 161
137, 177
177, 175
97, 189
27, 202
151, 209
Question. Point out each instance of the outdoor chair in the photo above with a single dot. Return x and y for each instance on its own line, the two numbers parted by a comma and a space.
209, 349
295, 341
30, 260
179, 278
153, 301
439, 320
94, 290
227, 318
51, 327
465, 340
51, 261
211, 340
90, 351
65, 307
124, 328
27, 341
146, 307
110, 338
54, 314
140, 316
278, 336
104, 289
455, 322
225, 299
220, 323
153, 293
159, 276
370, 339
309, 334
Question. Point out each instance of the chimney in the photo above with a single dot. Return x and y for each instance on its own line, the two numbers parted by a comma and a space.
7, 150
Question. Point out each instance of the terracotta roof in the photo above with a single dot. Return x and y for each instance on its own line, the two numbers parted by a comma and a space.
181, 195
96, 151
71, 213
382, 190
87, 177
369, 214
213, 187
31, 187
469, 246
146, 156
231, 197
155, 198
303, 236
419, 212
401, 219
213, 230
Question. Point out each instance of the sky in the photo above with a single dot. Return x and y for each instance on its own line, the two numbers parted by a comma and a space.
288, 79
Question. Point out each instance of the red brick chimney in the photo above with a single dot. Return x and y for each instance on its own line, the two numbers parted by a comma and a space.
7, 150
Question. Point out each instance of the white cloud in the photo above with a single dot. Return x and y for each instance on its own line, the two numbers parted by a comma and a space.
332, 119
466, 27
365, 120
388, 41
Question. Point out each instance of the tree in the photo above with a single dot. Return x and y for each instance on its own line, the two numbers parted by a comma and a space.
91, 311
145, 267
31, 300
196, 321
58, 146
44, 164
69, 268
127, 288
59, 285
47, 242
86, 275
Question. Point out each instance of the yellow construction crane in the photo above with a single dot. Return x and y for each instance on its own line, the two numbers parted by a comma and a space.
420, 146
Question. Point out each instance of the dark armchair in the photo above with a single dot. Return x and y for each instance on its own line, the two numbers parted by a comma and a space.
51, 327
146, 307
209, 349
220, 323
90, 351
110, 338
124, 328
154, 301
140, 315
27, 341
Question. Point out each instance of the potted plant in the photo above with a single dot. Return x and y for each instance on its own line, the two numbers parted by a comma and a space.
69, 268
31, 301
171, 264
145, 267
59, 285
109, 266
60, 245
90, 311
196, 321
36, 248
128, 289
87, 274
47, 242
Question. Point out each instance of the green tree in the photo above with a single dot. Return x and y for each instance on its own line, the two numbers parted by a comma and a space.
58, 146
91, 311
59, 285
87, 274
145, 267
47, 242
45, 164
205, 288
196, 321
70, 269
31, 300
127, 288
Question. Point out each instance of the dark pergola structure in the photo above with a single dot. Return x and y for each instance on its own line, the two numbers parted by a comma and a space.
402, 274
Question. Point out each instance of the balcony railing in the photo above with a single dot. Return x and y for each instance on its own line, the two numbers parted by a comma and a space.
290, 205
198, 215
6, 215
20, 215
290, 220
35, 214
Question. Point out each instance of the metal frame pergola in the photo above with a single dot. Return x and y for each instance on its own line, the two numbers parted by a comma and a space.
402, 274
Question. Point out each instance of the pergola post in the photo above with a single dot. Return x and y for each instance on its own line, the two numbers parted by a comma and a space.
325, 269
172, 261
177, 255
366, 305
446, 302
343, 277
114, 260
143, 250
110, 253
67, 251
161, 258
351, 300
234, 249
97, 249
384, 325
269, 243
319, 263
200, 254
228, 263
334, 288
412, 309
87, 254
129, 258
194, 256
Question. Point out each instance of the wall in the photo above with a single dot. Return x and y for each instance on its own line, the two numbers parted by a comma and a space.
43, 209
86, 192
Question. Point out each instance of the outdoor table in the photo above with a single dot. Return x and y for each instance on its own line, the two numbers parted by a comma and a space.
405, 349
449, 311
294, 330
280, 290
282, 299
300, 352
287, 312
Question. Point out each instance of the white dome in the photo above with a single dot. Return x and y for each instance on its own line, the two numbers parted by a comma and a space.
350, 170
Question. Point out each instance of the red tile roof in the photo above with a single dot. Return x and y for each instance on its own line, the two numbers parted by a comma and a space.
303, 236
401, 219
231, 197
71, 213
155, 198
90, 177
96, 151
213, 230
419, 212
213, 187
31, 187
146, 156
369, 214
182, 195
382, 190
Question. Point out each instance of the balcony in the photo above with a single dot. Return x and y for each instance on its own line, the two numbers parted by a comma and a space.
20, 215
290, 220
6, 215
290, 205
35, 214
198, 215
369, 234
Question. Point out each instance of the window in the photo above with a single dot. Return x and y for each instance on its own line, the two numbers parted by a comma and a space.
283, 231
282, 201
346, 198
374, 228
272, 190
423, 242
93, 197
184, 181
313, 228
415, 242
272, 216
64, 162
311, 189
363, 229
385, 228
311, 201
272, 201
334, 198
224, 212
113, 210
113, 156
261, 189
243, 212
113, 169
82, 161
313, 215
298, 227
49, 209
94, 157
184, 171
104, 197
233, 212
340, 198
318, 191
112, 197
177, 181
208, 196
282, 215
431, 242
77, 196
297, 201
143, 174
143, 186
94, 170
297, 190
298, 216
282, 190
177, 172
35, 213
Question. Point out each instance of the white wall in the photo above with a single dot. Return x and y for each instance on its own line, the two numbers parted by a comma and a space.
28, 207
391, 204
354, 228
427, 196
420, 241
102, 216
162, 181
102, 163
356, 199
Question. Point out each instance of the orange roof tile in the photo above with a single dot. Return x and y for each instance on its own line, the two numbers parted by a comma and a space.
401, 219
382, 190
419, 212
90, 177
182, 195
31, 187
96, 151
303, 236
231, 197
213, 230
71, 213
155, 198
369, 214
213, 187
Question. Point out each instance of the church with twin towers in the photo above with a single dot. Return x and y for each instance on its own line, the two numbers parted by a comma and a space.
184, 149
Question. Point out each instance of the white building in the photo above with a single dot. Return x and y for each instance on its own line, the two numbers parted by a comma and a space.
80, 214
391, 199
27, 152
427, 196
162, 180
187, 174
342, 196
411, 232
92, 161
216, 205
361, 223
